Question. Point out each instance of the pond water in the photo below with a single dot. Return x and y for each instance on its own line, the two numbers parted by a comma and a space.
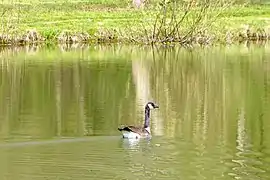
61, 105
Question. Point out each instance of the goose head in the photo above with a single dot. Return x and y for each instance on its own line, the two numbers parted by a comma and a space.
151, 105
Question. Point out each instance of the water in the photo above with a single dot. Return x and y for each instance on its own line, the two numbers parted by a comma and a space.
60, 108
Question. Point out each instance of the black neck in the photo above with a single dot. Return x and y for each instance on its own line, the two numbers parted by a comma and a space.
147, 117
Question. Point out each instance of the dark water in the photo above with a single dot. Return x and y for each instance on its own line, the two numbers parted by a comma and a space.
60, 108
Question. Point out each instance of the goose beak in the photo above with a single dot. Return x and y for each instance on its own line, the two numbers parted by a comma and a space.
156, 106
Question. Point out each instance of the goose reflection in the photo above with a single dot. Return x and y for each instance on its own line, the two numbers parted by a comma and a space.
136, 144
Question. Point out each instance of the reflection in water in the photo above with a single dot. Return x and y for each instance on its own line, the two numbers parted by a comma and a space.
60, 109
140, 71
134, 144
130, 143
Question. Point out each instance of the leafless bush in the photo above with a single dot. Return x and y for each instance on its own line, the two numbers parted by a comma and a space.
183, 22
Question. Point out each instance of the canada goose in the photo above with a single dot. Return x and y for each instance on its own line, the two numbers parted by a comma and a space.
137, 132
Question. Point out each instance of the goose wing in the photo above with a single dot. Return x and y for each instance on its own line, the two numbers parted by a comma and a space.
135, 129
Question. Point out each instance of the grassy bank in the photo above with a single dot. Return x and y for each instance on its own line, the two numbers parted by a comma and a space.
117, 21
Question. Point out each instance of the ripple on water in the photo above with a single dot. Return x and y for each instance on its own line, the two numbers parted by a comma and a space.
115, 158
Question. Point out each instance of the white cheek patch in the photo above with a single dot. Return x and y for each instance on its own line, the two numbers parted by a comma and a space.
148, 130
150, 106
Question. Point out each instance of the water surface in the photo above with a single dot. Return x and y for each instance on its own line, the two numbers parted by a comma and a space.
60, 108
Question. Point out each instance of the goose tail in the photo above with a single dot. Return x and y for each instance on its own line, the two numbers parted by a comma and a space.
120, 128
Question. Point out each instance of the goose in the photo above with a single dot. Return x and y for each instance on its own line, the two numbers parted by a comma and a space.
136, 132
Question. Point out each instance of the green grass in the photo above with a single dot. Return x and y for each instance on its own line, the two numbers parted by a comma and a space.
51, 18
